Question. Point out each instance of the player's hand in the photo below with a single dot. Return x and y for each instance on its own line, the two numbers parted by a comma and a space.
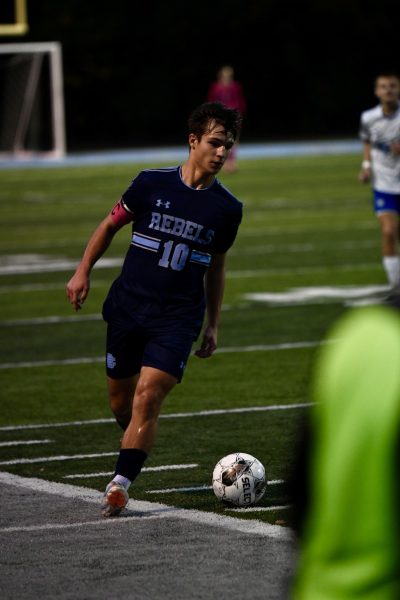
395, 148
209, 343
77, 290
364, 175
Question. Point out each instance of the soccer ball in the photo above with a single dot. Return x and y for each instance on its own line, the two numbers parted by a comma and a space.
239, 479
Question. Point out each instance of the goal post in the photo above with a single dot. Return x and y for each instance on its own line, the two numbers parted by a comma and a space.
32, 118
20, 24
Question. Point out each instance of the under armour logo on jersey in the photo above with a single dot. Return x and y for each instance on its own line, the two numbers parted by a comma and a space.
164, 203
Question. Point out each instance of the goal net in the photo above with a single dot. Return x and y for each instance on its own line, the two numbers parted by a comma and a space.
31, 100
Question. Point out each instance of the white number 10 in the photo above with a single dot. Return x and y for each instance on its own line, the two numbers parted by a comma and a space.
174, 257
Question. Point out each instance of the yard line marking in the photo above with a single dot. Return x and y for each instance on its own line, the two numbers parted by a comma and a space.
278, 230
250, 273
268, 347
24, 443
144, 470
250, 527
195, 488
202, 413
42, 459
44, 264
43, 287
21, 264
51, 320
225, 411
98, 359
52, 363
200, 488
259, 508
303, 295
81, 318
296, 248
56, 526
55, 425
297, 295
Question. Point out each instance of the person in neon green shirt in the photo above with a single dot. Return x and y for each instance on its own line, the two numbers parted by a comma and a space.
349, 545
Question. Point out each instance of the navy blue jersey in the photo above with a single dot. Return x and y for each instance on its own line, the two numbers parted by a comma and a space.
175, 231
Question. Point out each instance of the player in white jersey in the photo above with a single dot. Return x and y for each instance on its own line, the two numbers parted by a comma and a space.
380, 133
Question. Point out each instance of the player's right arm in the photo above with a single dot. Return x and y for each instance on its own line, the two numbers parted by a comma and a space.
78, 286
365, 173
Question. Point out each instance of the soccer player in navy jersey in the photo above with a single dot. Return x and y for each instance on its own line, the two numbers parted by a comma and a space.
183, 223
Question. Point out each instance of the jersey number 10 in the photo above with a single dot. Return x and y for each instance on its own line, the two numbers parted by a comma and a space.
174, 257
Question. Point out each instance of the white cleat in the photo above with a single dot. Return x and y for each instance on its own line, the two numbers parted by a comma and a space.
114, 500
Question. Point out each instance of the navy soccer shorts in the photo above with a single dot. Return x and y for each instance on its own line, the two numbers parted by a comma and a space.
129, 347
386, 202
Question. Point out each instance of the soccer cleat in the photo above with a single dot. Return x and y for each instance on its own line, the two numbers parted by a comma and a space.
393, 297
114, 500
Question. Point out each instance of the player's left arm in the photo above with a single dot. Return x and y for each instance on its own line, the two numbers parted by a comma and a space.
365, 172
214, 290
78, 286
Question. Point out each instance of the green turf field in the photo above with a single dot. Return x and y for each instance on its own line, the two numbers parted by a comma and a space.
307, 223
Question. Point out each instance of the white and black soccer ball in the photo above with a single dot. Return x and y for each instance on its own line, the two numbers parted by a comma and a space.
239, 479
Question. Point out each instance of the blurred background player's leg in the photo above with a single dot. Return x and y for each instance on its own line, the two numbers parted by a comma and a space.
389, 223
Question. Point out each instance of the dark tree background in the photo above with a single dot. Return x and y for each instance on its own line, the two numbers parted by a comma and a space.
134, 70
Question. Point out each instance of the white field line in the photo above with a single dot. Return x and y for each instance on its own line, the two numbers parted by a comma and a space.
248, 250
24, 443
144, 470
81, 318
21, 264
194, 488
310, 294
200, 488
226, 411
147, 509
83, 360
296, 248
201, 413
51, 320
43, 264
231, 274
79, 525
277, 230
259, 508
292, 296
56, 425
245, 274
43, 287
97, 359
43, 459
254, 273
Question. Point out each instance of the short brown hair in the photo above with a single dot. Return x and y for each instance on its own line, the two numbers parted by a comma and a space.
230, 118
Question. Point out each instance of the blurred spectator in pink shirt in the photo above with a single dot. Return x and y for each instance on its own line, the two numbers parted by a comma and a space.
230, 93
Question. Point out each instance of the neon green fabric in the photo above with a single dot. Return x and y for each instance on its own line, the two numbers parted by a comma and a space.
351, 546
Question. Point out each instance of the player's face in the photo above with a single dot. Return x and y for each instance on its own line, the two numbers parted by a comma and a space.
387, 89
212, 149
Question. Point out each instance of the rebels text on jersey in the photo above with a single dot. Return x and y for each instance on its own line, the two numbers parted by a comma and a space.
175, 231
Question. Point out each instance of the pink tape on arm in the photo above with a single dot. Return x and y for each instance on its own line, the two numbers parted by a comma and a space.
119, 215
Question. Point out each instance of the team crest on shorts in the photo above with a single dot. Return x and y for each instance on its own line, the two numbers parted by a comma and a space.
111, 361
